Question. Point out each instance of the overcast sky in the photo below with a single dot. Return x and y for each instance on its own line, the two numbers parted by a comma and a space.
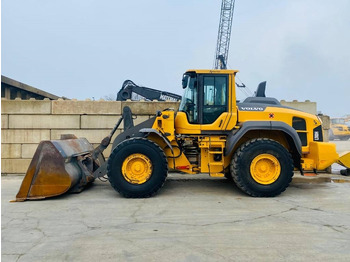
87, 48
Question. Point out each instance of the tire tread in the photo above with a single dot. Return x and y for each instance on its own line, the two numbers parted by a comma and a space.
163, 159
235, 172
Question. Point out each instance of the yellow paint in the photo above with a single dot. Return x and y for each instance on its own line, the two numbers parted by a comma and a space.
284, 115
164, 124
213, 71
265, 169
217, 174
308, 164
344, 160
137, 169
183, 127
212, 154
323, 154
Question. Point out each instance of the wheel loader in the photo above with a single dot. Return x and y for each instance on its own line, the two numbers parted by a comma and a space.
258, 143
339, 129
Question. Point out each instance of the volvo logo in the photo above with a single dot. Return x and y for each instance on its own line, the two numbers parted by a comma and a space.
251, 108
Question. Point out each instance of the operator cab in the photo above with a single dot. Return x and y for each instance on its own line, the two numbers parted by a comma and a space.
205, 97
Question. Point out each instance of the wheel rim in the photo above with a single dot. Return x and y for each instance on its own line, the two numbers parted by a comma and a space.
137, 169
265, 169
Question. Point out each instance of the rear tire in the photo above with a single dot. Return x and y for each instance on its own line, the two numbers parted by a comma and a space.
262, 168
137, 168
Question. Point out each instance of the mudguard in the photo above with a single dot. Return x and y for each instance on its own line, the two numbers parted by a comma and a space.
133, 132
165, 139
235, 135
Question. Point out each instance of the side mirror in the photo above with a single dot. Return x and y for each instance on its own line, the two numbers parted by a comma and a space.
193, 83
185, 81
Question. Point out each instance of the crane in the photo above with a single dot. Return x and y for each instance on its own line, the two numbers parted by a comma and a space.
224, 34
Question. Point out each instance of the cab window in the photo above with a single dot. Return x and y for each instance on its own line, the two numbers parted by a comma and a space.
215, 97
189, 102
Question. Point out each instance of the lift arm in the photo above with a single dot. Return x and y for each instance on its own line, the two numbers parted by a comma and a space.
134, 92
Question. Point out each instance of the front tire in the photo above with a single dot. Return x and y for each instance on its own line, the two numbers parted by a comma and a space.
262, 168
137, 168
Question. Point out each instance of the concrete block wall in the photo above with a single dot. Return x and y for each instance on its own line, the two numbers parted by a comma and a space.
306, 106
24, 123
326, 125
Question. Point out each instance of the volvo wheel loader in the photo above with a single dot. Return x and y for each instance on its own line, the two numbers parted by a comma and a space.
257, 143
339, 129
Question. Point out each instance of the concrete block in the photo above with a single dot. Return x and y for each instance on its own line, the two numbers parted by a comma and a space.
4, 121
140, 118
99, 122
326, 122
44, 121
92, 135
28, 150
14, 166
86, 107
10, 150
18, 136
326, 135
307, 106
104, 122
25, 107
149, 108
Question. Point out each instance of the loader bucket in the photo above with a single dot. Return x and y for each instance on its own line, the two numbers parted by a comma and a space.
58, 166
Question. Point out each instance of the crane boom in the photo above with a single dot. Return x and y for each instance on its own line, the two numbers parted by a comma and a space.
224, 34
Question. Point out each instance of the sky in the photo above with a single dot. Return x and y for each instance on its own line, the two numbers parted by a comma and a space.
87, 48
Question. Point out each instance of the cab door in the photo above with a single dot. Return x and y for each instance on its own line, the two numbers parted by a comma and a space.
215, 113
207, 105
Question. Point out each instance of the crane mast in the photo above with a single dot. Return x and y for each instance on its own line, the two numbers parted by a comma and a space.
224, 34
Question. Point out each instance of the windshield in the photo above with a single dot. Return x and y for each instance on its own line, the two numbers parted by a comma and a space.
189, 102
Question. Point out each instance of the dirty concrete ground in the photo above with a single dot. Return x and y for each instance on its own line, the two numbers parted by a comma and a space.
192, 219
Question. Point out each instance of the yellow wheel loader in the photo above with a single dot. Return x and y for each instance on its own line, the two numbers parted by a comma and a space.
257, 143
339, 129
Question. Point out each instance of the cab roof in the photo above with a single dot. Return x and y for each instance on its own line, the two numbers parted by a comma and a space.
212, 71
